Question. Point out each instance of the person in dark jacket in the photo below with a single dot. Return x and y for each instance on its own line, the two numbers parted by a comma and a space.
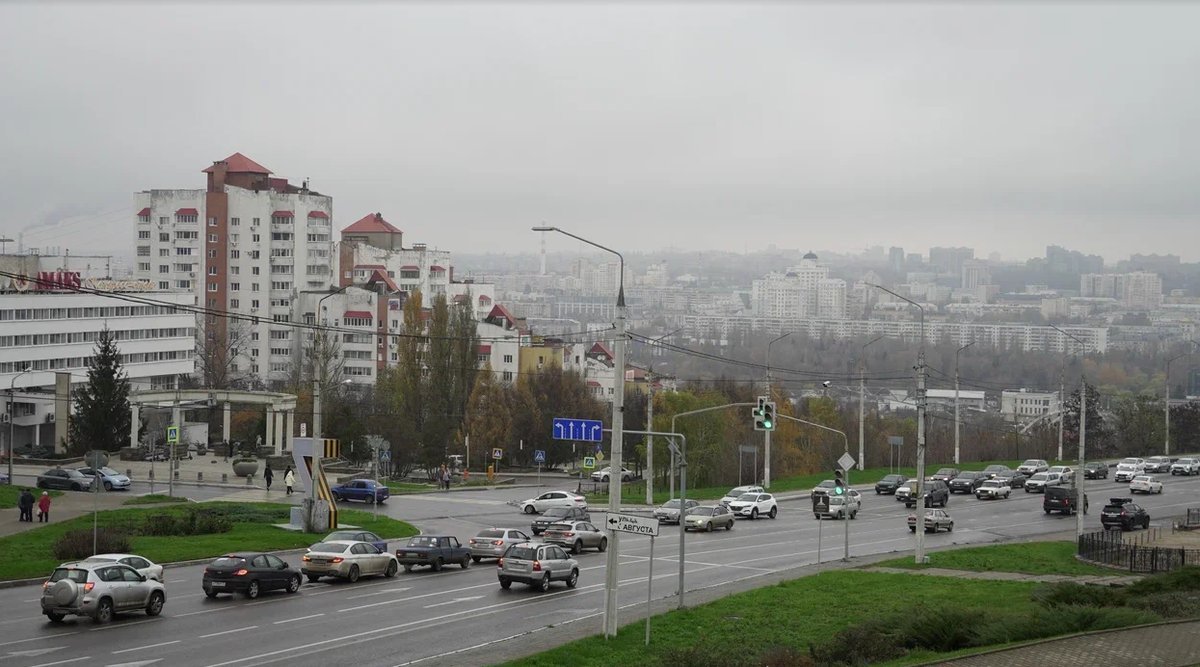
25, 504
268, 476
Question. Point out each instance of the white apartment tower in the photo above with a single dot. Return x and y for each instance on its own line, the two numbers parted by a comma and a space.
795, 292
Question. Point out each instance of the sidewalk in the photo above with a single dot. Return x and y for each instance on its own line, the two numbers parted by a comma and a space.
67, 506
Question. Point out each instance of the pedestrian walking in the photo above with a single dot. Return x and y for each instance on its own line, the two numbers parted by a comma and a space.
289, 480
44, 507
25, 504
445, 478
268, 475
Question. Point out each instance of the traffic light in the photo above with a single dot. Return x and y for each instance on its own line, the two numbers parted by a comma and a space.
768, 416
839, 482
758, 413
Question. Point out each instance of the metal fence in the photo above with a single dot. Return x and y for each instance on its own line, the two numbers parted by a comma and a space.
1193, 517
1134, 553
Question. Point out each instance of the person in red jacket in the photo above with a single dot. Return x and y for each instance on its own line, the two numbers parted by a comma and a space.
44, 507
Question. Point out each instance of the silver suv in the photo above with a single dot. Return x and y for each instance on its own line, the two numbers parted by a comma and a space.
537, 564
100, 590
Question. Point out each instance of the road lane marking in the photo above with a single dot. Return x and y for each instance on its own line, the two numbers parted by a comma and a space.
34, 639
302, 618
63, 662
454, 601
142, 648
367, 595
228, 632
113, 626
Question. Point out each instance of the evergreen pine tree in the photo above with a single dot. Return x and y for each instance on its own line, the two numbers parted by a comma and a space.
101, 418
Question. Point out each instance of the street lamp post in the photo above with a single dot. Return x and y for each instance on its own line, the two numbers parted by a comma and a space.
650, 419
318, 382
12, 448
1167, 399
1075, 485
767, 433
957, 423
862, 397
618, 429
920, 534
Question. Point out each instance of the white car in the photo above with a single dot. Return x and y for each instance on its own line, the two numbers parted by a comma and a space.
1064, 471
1031, 466
1128, 468
840, 507
737, 492
603, 474
143, 565
1186, 467
1145, 484
753, 505
993, 489
1157, 464
552, 499
1039, 482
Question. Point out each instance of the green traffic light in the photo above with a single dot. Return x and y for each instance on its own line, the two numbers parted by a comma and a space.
766, 423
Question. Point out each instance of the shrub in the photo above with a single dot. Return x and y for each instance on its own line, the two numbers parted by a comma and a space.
160, 524
77, 544
1176, 604
189, 521
933, 629
706, 655
1183, 579
1070, 593
873, 640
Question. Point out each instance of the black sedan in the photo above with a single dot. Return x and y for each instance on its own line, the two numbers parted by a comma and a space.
64, 478
1095, 470
967, 482
1015, 480
889, 484
249, 574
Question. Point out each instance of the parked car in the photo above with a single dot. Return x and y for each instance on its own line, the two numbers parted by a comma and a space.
576, 536
603, 474
111, 479
356, 535
737, 491
64, 478
935, 520
347, 560
708, 517
668, 512
945, 475
1124, 514
839, 507
141, 564
1033, 466
249, 574
537, 564
434, 551
889, 484
934, 492
100, 590
557, 515
1095, 470
1157, 464
366, 490
1063, 499
493, 542
1128, 468
967, 482
1015, 479
754, 505
1186, 466
1145, 484
995, 469
552, 499
992, 489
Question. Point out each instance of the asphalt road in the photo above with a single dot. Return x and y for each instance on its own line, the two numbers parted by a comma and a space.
429, 618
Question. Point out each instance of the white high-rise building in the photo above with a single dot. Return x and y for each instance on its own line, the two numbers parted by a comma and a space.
793, 293
1140, 290
831, 299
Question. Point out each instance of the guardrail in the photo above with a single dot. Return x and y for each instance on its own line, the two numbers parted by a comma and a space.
1134, 553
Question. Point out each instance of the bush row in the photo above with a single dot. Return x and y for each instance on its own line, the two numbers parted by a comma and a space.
187, 522
77, 544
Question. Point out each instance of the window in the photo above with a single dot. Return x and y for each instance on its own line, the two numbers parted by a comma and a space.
143, 234
212, 238
255, 238
184, 267
281, 236
281, 285
183, 284
212, 270
212, 287
507, 376
235, 254
233, 238
164, 237
212, 254
254, 270
281, 268
143, 266
181, 236
163, 220
255, 287
234, 303
281, 220
508, 359
187, 218
144, 218
164, 252
212, 222
143, 251
164, 284
183, 251
235, 270
254, 223
234, 222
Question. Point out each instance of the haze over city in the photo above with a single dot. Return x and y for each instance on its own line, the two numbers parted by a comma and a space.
1005, 128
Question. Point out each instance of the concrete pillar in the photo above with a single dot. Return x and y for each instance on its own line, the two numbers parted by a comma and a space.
291, 430
225, 422
278, 444
270, 426
134, 423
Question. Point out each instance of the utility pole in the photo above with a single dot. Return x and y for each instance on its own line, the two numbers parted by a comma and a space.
1167, 400
862, 395
957, 421
650, 442
1062, 397
1076, 484
767, 433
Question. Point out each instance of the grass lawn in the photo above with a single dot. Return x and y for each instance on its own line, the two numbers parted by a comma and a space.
1029, 558
791, 614
155, 499
10, 492
30, 554
408, 487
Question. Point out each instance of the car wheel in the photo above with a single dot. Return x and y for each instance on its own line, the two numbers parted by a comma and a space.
41, 484
603, 544
573, 579
1146, 523
877, 492
437, 565
465, 562
352, 576
252, 590
577, 548
505, 583
337, 497
104, 612
55, 618
544, 584
708, 527
107, 485
950, 527
1045, 510
854, 515
314, 578
407, 568
530, 509
155, 606
208, 592
754, 513
293, 584
476, 558
391, 570
76, 487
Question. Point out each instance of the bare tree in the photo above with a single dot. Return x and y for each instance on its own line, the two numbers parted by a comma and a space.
219, 345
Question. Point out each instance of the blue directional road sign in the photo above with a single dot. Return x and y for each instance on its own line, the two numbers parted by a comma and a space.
539, 456
587, 430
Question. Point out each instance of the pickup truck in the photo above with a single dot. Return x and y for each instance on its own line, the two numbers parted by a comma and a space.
434, 551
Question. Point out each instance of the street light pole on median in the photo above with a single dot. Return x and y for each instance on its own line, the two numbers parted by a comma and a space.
318, 447
618, 428
1075, 478
862, 395
12, 418
957, 422
1167, 399
767, 432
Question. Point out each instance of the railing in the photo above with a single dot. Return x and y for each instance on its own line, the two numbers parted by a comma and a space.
1193, 517
1133, 552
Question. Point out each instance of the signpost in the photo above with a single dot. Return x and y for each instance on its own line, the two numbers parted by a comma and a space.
589, 462
846, 462
567, 428
539, 457
172, 435
639, 525
896, 443
747, 449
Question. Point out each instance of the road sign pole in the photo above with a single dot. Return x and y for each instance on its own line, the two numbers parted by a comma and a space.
819, 522
650, 588
846, 519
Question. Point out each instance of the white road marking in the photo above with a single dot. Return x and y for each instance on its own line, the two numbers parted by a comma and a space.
139, 663
34, 652
113, 626
228, 632
143, 648
454, 601
63, 662
367, 595
302, 618
35, 639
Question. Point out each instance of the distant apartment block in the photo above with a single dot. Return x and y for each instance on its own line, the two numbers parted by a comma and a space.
950, 260
805, 290
1140, 290
1025, 405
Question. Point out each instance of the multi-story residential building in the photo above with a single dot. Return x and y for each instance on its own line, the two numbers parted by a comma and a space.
831, 299
50, 323
247, 243
1140, 290
975, 273
792, 293
1025, 405
950, 260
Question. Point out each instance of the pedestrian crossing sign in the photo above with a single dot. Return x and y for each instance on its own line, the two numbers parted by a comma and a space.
589, 462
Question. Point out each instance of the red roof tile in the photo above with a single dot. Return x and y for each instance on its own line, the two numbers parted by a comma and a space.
380, 275
187, 211
436, 268
283, 214
359, 314
240, 164
372, 223
144, 212
593, 383
318, 214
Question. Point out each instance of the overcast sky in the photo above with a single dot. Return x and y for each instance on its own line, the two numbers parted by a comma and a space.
712, 126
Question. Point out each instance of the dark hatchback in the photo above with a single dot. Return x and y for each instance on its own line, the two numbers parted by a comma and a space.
1124, 514
1062, 499
889, 484
1095, 470
558, 515
249, 574
967, 482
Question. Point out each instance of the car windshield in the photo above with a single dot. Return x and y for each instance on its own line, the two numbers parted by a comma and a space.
78, 576
700, 511
1031, 463
490, 533
893, 478
326, 547
945, 471
671, 505
1141, 478
1041, 476
423, 541
521, 553
827, 484
991, 483
1130, 461
555, 511
749, 497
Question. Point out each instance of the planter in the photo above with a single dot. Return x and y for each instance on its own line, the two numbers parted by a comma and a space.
245, 468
